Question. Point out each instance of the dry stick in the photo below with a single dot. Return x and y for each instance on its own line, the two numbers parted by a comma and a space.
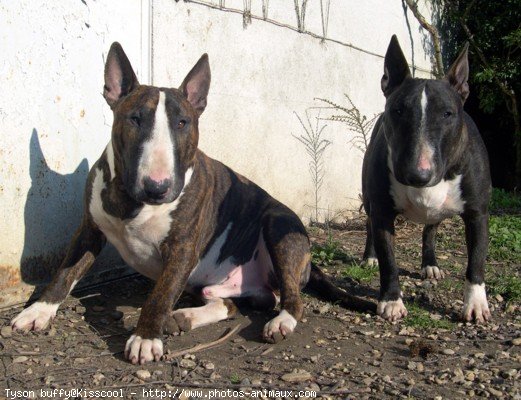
202, 346
434, 34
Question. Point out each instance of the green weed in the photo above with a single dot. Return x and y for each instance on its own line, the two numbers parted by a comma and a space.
361, 273
328, 253
503, 201
505, 284
505, 237
418, 317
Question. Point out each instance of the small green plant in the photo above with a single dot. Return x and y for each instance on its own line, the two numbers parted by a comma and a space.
503, 201
361, 273
328, 253
418, 317
505, 284
505, 238
234, 378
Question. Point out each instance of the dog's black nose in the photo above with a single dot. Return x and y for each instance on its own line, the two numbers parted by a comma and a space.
156, 190
418, 177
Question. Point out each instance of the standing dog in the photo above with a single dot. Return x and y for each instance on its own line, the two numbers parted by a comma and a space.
427, 161
182, 219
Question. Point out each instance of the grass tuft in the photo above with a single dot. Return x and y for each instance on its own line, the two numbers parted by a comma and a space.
418, 317
361, 273
505, 237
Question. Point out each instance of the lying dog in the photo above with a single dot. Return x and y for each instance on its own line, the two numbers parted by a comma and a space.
427, 161
182, 219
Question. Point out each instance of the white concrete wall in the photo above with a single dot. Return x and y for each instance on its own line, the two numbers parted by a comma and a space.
263, 74
55, 123
54, 120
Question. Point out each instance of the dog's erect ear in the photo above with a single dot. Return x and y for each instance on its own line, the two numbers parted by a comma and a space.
120, 78
458, 74
197, 84
396, 68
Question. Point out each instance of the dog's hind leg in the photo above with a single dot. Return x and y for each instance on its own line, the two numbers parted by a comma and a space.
288, 246
85, 246
430, 269
369, 257
215, 310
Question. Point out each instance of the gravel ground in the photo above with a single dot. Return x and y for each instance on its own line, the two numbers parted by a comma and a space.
334, 352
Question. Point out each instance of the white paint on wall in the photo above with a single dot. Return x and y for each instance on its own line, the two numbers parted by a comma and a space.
55, 123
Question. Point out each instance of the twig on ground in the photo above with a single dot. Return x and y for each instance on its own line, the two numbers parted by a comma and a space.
202, 346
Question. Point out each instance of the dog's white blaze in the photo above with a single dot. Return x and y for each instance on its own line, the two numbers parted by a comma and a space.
157, 158
110, 160
136, 239
423, 103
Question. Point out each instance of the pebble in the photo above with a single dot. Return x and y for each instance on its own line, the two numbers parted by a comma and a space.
495, 392
209, 366
80, 309
256, 382
515, 342
296, 376
143, 374
98, 377
20, 359
448, 352
6, 331
470, 376
187, 363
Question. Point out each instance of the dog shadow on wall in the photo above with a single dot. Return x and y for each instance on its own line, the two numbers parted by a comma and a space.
52, 213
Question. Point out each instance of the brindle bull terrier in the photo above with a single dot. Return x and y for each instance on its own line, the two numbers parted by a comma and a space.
427, 161
182, 219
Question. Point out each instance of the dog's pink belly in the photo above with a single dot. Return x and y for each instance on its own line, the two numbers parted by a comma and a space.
229, 279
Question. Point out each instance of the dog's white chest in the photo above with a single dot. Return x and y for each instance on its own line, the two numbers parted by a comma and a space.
136, 239
428, 205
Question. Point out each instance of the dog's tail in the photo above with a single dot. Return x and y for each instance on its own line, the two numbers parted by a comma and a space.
320, 284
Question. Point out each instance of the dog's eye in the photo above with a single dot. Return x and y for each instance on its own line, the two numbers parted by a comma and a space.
135, 120
398, 111
447, 114
181, 124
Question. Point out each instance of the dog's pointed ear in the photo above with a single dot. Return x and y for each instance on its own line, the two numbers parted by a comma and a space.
197, 84
396, 69
120, 78
458, 73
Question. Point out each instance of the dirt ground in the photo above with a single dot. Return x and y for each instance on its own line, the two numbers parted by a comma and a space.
334, 352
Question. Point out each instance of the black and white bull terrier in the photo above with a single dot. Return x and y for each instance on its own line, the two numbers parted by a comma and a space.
427, 161
182, 219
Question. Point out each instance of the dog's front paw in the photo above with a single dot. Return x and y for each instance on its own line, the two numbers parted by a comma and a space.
432, 272
279, 327
35, 317
391, 310
139, 350
475, 305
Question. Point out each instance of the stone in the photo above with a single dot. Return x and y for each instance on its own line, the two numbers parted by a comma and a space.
515, 342
187, 363
143, 374
6, 331
80, 309
20, 359
448, 352
209, 366
297, 376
